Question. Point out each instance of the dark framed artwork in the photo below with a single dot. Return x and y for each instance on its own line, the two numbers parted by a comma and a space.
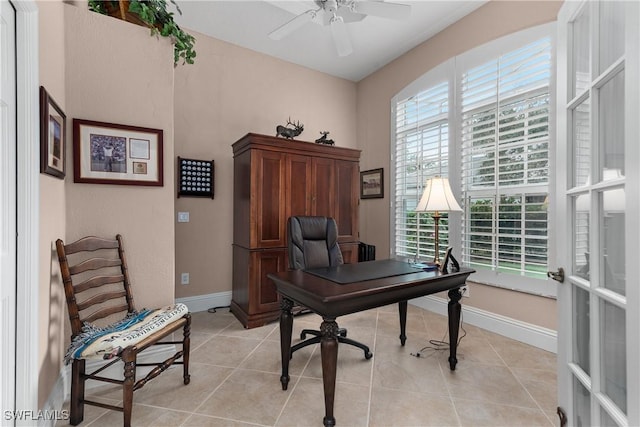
53, 135
372, 184
108, 153
195, 177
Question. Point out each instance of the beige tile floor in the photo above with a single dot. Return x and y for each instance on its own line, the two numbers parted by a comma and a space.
235, 379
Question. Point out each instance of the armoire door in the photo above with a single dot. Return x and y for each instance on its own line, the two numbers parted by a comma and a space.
263, 262
323, 194
270, 218
299, 185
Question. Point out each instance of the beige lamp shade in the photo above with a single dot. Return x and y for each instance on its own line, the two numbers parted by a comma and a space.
437, 197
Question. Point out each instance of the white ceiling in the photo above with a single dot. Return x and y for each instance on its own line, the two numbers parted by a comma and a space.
376, 41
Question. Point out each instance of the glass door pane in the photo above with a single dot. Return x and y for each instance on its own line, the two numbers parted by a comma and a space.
581, 329
580, 241
581, 143
613, 350
613, 235
611, 31
611, 126
606, 420
581, 405
581, 53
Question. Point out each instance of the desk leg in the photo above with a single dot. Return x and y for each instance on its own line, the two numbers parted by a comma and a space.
454, 325
329, 356
402, 310
286, 326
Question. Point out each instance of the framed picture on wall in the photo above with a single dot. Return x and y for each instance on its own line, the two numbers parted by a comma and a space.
53, 135
107, 153
372, 184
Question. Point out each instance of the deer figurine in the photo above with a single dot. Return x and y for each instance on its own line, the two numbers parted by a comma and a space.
287, 132
323, 139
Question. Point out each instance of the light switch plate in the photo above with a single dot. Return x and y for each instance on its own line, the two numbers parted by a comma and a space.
183, 216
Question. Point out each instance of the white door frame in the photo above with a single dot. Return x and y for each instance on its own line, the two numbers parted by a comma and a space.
632, 189
8, 214
28, 207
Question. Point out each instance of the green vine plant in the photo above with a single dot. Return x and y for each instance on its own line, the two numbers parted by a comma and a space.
154, 13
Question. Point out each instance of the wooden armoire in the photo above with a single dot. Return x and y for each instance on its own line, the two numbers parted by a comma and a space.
273, 179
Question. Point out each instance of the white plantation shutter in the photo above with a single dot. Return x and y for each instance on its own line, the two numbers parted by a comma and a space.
421, 151
504, 130
482, 120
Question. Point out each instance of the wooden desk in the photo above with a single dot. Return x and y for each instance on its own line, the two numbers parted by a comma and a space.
330, 300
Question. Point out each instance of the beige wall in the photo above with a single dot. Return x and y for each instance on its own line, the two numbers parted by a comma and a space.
117, 73
52, 206
102, 69
491, 21
228, 92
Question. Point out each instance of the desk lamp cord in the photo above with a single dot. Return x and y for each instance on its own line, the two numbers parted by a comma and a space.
441, 345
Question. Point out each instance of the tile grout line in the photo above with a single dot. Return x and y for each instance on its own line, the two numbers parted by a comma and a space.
443, 375
234, 369
373, 359
225, 379
295, 385
544, 413
528, 392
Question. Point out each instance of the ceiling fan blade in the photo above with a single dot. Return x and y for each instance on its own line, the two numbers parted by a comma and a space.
340, 36
382, 9
289, 27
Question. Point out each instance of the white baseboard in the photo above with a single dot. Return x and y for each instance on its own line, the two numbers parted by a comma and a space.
527, 333
205, 302
52, 408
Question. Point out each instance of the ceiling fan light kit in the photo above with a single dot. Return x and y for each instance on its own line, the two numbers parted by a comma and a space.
340, 36
337, 14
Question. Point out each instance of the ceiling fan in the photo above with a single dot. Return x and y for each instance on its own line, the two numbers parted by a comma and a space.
337, 13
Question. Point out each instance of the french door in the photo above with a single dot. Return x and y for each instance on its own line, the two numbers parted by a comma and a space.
598, 214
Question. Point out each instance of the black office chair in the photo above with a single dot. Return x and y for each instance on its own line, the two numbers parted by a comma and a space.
313, 243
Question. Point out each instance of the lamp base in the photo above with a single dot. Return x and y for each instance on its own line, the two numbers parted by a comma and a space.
427, 266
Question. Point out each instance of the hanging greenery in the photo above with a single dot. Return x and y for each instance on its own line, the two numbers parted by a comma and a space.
153, 14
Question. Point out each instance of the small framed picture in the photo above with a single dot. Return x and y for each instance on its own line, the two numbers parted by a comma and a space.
372, 184
53, 135
107, 153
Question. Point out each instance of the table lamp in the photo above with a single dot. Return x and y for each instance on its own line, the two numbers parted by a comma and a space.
437, 197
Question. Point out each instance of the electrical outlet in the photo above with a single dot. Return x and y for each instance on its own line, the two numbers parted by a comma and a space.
465, 291
183, 216
184, 278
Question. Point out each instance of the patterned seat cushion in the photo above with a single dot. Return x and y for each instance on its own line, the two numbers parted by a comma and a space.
108, 342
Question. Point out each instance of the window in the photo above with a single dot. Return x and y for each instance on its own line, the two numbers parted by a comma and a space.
487, 129
421, 152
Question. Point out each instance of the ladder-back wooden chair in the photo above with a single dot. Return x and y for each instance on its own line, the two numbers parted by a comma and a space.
105, 324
